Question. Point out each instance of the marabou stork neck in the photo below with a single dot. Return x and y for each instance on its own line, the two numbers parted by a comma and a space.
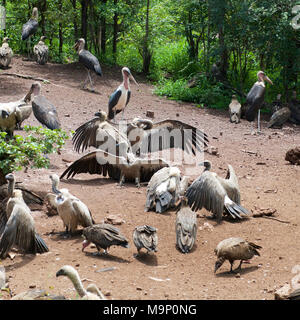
255, 97
90, 62
121, 96
30, 28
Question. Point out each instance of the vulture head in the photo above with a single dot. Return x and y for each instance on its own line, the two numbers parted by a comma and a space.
4, 114
55, 181
10, 177
206, 164
102, 115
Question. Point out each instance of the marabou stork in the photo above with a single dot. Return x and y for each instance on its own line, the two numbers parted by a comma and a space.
30, 28
90, 62
41, 51
255, 97
121, 96
6, 54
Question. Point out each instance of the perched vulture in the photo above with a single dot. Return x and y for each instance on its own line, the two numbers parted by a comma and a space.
255, 97
235, 110
164, 189
88, 60
12, 114
277, 104
6, 54
232, 249
145, 237
19, 230
215, 193
279, 118
294, 106
103, 236
44, 111
295, 295
85, 294
121, 96
72, 211
185, 227
41, 51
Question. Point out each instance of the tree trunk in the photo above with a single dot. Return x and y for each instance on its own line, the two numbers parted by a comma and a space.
2, 178
146, 52
60, 33
75, 20
84, 10
103, 31
43, 9
4, 6
115, 32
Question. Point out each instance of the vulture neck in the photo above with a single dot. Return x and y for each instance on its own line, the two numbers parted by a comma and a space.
74, 277
11, 187
55, 186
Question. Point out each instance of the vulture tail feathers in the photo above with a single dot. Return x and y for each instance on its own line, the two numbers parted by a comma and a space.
41, 246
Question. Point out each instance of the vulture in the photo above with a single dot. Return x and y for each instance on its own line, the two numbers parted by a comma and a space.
41, 51
232, 249
12, 114
142, 135
295, 295
235, 110
72, 211
294, 106
277, 104
145, 237
121, 96
44, 111
164, 189
279, 118
103, 236
91, 293
19, 230
6, 54
30, 28
215, 193
89, 61
185, 227
255, 97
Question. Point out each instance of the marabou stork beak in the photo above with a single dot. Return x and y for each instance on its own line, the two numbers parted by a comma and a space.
132, 78
268, 80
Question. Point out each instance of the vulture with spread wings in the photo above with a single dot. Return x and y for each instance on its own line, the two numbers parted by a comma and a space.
215, 193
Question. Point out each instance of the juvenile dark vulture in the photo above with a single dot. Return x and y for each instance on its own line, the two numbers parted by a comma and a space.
216, 194
19, 230
185, 227
121, 96
6, 54
235, 110
232, 249
91, 293
88, 60
255, 97
164, 189
145, 237
12, 114
41, 51
44, 111
103, 235
279, 118
71, 210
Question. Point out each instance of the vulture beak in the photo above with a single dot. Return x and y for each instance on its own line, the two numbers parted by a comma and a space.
268, 80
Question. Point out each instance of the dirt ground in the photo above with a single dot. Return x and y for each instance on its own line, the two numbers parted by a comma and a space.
266, 181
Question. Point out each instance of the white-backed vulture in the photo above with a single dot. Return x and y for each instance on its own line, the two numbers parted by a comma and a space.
12, 115
44, 111
164, 189
6, 54
19, 230
122, 168
235, 110
72, 211
185, 227
232, 249
41, 51
121, 96
103, 236
85, 294
215, 193
279, 118
142, 135
255, 97
145, 237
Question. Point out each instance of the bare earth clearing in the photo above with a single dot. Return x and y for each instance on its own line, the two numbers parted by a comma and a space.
266, 181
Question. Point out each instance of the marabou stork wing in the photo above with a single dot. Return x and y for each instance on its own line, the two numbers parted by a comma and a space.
255, 99
29, 28
45, 112
168, 134
112, 102
96, 162
128, 97
90, 61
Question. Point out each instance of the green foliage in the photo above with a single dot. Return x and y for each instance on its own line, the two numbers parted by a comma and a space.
30, 150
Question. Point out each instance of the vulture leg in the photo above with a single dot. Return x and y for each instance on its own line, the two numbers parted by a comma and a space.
122, 180
137, 182
231, 265
239, 267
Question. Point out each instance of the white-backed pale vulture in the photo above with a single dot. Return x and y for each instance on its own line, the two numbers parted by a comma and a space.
145, 237
232, 249
235, 110
215, 193
85, 294
164, 189
6, 53
72, 211
103, 235
41, 51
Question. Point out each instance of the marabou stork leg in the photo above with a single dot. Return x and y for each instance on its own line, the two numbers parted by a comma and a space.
258, 121
91, 82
